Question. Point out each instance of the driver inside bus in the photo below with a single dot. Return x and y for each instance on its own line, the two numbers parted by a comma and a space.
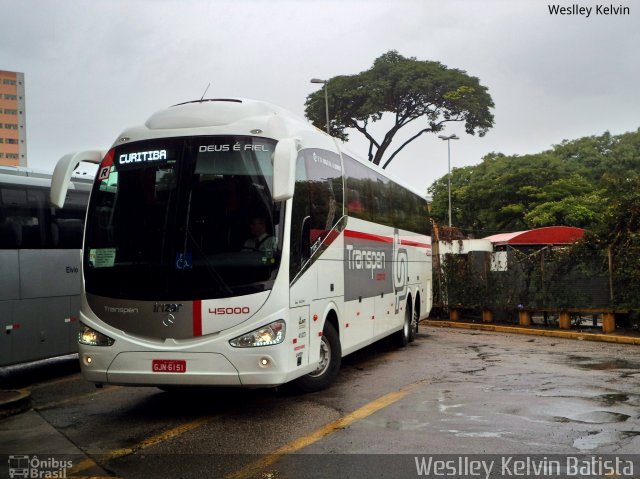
260, 239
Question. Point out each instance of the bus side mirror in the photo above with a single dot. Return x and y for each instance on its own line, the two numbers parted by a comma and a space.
284, 169
62, 173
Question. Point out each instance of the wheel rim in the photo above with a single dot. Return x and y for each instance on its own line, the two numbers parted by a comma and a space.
325, 358
407, 326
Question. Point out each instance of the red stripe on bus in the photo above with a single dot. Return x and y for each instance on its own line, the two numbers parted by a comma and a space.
197, 318
383, 239
367, 236
415, 243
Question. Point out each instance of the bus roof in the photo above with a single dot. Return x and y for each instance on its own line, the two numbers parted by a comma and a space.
17, 175
222, 116
234, 116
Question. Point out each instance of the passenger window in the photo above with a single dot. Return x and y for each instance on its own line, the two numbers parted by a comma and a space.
317, 203
359, 189
22, 220
67, 224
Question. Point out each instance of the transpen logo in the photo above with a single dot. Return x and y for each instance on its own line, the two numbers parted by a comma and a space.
365, 259
401, 272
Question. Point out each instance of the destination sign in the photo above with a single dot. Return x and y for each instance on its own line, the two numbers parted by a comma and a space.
142, 157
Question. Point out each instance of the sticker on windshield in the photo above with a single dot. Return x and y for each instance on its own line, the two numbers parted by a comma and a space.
104, 173
184, 260
102, 257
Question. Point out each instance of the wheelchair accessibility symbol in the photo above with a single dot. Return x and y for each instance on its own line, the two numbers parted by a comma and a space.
184, 261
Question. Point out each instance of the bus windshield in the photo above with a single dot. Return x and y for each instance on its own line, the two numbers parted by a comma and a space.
184, 219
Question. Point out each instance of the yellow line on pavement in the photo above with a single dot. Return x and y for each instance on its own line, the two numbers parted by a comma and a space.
163, 436
341, 423
150, 441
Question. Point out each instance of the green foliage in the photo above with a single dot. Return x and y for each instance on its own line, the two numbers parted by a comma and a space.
462, 283
577, 183
540, 279
425, 92
593, 183
582, 211
619, 234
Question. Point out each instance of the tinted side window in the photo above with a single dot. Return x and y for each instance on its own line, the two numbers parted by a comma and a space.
317, 203
67, 224
300, 216
373, 197
28, 222
410, 211
22, 218
359, 189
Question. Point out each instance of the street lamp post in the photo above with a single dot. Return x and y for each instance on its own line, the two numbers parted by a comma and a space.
326, 99
448, 140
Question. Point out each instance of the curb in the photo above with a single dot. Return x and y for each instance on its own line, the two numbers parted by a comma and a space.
14, 401
581, 336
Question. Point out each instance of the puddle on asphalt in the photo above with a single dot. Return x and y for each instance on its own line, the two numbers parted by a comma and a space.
475, 434
594, 417
398, 425
595, 440
591, 364
612, 399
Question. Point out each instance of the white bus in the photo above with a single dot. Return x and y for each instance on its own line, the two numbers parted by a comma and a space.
228, 242
39, 266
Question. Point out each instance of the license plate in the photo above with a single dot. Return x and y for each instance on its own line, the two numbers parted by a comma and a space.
169, 366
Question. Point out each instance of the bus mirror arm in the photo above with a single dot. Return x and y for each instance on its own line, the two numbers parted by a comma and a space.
63, 171
284, 169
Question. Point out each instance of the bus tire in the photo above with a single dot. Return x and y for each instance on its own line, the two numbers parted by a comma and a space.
329, 366
403, 337
413, 330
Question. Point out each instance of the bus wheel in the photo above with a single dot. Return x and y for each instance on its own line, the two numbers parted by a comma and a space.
403, 337
413, 331
329, 365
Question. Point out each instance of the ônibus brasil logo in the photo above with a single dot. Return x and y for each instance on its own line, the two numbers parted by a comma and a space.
34, 467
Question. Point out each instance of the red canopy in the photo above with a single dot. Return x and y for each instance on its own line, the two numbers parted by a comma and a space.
550, 235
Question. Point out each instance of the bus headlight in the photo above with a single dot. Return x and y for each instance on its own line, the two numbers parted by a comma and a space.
266, 336
91, 337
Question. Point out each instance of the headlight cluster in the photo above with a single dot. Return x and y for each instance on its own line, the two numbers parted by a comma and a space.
266, 336
91, 337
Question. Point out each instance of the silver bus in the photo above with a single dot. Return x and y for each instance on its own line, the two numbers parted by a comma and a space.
229, 242
40, 278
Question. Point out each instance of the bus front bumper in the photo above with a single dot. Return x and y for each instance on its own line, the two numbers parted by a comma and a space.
179, 368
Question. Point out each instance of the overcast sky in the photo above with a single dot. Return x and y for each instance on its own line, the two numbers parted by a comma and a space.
94, 67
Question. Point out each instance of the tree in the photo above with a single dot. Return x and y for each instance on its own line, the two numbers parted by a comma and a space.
424, 93
617, 235
495, 195
570, 201
574, 184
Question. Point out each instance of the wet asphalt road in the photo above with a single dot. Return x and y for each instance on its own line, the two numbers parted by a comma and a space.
450, 392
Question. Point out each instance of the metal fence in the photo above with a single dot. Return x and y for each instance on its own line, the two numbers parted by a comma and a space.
543, 279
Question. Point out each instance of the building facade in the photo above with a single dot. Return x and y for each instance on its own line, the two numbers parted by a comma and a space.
13, 129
